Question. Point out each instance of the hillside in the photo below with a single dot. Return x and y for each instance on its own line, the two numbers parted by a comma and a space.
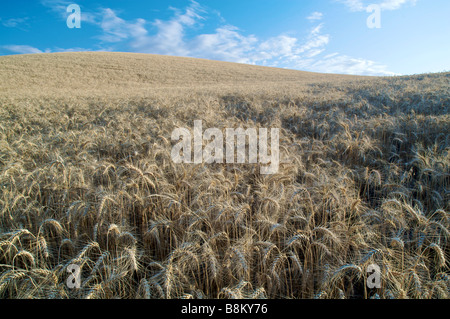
129, 73
88, 181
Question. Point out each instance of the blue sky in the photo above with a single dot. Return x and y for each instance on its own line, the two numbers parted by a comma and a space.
330, 36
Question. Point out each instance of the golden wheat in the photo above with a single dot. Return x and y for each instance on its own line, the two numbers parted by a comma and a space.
86, 178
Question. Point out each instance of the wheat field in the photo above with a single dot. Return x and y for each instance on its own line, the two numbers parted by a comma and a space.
86, 178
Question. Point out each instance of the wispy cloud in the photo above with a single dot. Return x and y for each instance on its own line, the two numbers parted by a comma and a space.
226, 42
361, 5
343, 64
395, 4
315, 16
116, 29
229, 43
21, 49
170, 35
57, 5
14, 22
28, 49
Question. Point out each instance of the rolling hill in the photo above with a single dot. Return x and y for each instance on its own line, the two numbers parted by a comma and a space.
89, 73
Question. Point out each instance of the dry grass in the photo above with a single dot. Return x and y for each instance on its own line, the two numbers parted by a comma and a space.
86, 178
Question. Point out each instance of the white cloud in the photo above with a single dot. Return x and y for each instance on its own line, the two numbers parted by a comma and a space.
116, 29
27, 49
14, 22
342, 64
314, 52
315, 16
282, 45
226, 42
361, 5
57, 5
21, 49
315, 40
170, 35
395, 4
354, 5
